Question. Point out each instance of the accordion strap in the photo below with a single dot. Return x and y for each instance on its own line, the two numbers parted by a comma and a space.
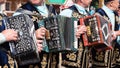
24, 11
51, 10
102, 12
75, 11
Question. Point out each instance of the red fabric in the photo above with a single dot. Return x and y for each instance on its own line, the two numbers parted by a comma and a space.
67, 4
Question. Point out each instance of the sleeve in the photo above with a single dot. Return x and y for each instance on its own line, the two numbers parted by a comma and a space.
118, 40
16, 13
118, 37
2, 38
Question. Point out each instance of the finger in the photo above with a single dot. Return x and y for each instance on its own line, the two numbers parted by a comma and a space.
78, 36
42, 29
39, 41
43, 34
39, 48
14, 38
15, 35
40, 37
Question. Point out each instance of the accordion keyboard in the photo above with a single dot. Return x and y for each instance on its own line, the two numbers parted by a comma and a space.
92, 29
23, 44
52, 25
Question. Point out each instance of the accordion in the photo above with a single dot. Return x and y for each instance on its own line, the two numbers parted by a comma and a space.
98, 32
60, 34
24, 50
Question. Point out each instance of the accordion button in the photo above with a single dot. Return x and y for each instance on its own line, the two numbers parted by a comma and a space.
20, 33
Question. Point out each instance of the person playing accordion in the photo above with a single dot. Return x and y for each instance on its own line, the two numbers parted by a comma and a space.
81, 58
108, 58
38, 10
6, 35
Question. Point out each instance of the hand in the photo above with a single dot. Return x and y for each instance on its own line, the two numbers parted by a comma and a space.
40, 33
81, 29
39, 45
114, 35
10, 34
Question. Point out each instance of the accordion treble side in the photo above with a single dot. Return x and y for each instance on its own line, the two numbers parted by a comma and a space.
98, 32
60, 33
24, 50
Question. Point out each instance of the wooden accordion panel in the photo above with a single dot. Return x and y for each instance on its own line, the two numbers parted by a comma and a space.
60, 33
98, 31
24, 50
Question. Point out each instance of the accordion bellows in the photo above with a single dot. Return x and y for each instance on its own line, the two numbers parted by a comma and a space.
24, 50
99, 32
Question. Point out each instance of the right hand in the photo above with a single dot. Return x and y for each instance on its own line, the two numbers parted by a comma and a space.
10, 34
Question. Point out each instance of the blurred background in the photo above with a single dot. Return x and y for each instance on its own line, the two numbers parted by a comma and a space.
9, 6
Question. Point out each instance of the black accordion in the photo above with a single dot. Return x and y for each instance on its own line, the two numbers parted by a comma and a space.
60, 34
24, 50
98, 32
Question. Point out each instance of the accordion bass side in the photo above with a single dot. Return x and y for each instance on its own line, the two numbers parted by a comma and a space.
24, 50
98, 32
60, 35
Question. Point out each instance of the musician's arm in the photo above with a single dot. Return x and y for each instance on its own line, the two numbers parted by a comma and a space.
8, 35
117, 33
16, 13
2, 38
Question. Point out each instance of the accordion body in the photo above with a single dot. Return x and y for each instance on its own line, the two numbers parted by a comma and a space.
60, 35
98, 32
24, 50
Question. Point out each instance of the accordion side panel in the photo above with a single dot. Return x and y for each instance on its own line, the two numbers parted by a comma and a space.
24, 50
85, 40
105, 34
110, 36
54, 42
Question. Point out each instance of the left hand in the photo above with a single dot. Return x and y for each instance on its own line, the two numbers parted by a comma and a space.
40, 35
114, 35
81, 29
39, 45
